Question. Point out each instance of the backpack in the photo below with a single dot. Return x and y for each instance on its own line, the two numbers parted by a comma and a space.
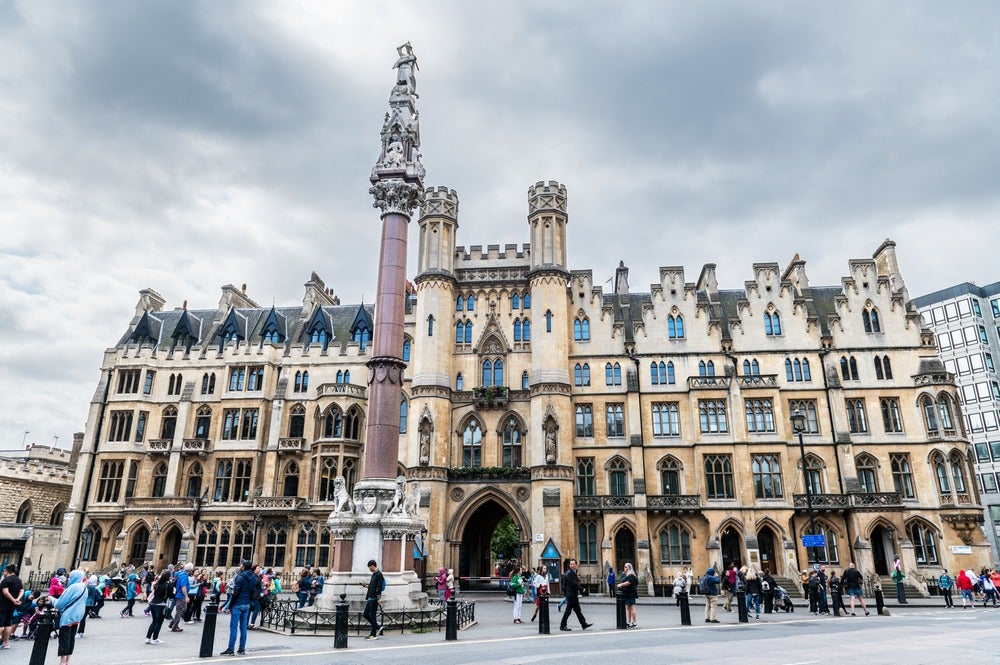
275, 585
706, 586
764, 586
383, 583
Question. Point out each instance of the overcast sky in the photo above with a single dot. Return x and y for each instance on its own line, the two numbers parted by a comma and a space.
182, 146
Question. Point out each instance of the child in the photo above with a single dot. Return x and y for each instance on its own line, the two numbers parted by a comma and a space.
450, 585
27, 614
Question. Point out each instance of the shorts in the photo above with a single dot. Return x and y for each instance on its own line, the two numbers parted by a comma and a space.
855, 593
630, 601
7, 618
67, 639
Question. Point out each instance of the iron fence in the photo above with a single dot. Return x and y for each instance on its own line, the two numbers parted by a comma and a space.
285, 616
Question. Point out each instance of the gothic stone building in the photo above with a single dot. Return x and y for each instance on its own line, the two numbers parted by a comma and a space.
649, 427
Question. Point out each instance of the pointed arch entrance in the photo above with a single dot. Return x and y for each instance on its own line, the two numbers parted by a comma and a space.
169, 547
766, 540
473, 529
731, 541
883, 549
624, 547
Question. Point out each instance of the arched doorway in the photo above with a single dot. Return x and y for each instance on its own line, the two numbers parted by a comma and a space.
768, 555
732, 547
882, 550
624, 548
475, 554
169, 548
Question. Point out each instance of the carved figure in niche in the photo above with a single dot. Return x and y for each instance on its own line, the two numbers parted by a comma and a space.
412, 502
341, 497
399, 497
550, 445
425, 448
394, 154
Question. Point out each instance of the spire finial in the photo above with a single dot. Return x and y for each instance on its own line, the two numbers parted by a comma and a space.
398, 176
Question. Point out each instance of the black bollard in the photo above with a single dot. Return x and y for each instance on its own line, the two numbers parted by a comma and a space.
685, 608
46, 623
879, 601
741, 601
208, 629
340, 627
543, 614
621, 623
451, 620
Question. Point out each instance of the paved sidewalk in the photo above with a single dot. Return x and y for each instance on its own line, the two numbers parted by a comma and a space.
113, 640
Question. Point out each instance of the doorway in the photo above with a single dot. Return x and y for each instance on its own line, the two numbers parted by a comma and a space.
882, 550
170, 547
475, 554
732, 548
624, 548
765, 542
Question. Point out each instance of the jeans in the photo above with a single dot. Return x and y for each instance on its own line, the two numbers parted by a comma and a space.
303, 598
947, 597
158, 612
753, 600
238, 619
371, 613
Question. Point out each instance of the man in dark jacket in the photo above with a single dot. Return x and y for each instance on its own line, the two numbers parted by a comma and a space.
372, 599
246, 587
767, 584
710, 589
572, 588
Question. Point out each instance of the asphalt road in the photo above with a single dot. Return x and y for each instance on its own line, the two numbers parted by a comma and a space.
913, 636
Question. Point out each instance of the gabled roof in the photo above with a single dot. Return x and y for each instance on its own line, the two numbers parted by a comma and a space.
277, 322
362, 320
146, 330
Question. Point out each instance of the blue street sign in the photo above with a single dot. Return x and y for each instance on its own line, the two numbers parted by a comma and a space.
814, 541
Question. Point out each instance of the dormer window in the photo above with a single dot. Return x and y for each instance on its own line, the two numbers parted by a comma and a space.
362, 335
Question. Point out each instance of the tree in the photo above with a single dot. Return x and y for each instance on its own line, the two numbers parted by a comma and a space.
504, 542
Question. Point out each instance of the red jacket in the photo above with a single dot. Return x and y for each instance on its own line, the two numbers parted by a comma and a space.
963, 582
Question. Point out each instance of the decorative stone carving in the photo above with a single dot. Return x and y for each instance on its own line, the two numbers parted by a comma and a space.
341, 496
425, 447
522, 493
398, 497
412, 502
457, 494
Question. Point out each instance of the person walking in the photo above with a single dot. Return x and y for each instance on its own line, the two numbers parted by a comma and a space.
131, 593
245, 589
572, 587
629, 588
91, 603
373, 597
540, 582
710, 589
964, 584
945, 584
611, 582
11, 591
852, 583
72, 605
182, 596
158, 597
754, 592
729, 586
517, 586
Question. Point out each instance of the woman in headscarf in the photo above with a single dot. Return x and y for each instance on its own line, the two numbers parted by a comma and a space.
72, 605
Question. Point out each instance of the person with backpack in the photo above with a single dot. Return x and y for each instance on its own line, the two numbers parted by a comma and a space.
72, 606
709, 587
728, 584
373, 597
131, 593
753, 590
767, 589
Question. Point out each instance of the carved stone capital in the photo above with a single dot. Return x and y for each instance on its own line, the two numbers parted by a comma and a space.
396, 196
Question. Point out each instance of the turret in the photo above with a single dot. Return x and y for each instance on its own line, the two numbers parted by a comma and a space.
547, 220
438, 227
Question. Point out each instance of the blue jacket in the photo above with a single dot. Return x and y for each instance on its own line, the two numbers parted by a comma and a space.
246, 588
131, 588
181, 584
73, 601
710, 583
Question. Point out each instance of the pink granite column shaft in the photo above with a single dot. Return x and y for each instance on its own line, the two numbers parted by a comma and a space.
386, 366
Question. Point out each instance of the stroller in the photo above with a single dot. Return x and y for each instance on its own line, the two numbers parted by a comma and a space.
782, 601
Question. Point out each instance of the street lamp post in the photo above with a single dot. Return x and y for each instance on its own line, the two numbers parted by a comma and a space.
799, 427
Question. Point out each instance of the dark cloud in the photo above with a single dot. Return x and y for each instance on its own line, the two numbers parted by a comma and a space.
181, 146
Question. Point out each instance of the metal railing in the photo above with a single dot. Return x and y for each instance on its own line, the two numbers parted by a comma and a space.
285, 616
604, 502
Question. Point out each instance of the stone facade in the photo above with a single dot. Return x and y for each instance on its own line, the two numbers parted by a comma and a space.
651, 427
35, 487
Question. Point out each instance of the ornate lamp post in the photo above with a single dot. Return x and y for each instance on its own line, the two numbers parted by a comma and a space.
799, 427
